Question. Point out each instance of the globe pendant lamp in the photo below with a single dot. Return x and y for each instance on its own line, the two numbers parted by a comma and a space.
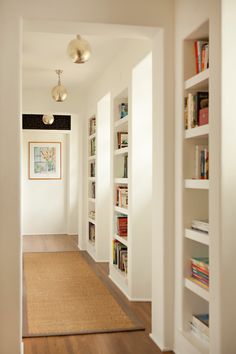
59, 92
79, 50
48, 119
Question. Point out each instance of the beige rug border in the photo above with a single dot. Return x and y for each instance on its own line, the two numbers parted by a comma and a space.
137, 326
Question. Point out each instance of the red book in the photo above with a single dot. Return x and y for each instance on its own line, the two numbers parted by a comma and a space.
203, 116
196, 56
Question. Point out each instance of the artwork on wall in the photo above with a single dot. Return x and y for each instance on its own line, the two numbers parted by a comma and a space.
44, 160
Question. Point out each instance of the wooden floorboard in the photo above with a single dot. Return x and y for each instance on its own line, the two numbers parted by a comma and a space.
108, 343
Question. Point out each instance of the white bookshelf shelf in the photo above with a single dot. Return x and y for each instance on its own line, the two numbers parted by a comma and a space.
196, 183
92, 136
196, 288
197, 236
199, 81
92, 179
121, 180
121, 151
121, 121
198, 132
122, 240
91, 158
93, 221
203, 347
121, 210
92, 200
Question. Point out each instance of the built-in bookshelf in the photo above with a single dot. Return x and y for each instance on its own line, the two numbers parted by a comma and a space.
120, 244
91, 223
194, 231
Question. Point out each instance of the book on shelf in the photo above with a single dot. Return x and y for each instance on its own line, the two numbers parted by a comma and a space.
201, 55
201, 170
125, 175
122, 140
92, 125
123, 108
91, 232
200, 326
200, 270
93, 190
120, 255
122, 196
93, 147
196, 109
121, 225
92, 169
200, 225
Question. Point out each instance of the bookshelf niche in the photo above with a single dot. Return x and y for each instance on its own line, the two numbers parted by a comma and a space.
195, 197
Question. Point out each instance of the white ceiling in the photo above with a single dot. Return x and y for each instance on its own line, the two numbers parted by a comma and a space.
43, 53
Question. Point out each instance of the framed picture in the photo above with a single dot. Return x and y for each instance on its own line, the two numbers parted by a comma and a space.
122, 139
44, 160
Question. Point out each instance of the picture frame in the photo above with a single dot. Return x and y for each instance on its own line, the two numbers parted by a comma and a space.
44, 160
122, 139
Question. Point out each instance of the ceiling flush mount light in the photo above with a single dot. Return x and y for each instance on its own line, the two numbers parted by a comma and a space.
59, 92
48, 119
79, 50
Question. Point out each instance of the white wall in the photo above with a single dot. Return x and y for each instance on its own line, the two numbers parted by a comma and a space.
44, 201
150, 12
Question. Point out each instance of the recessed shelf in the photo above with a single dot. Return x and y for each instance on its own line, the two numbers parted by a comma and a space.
92, 136
196, 183
122, 240
121, 210
202, 131
92, 200
196, 288
91, 158
92, 179
121, 151
197, 236
121, 121
92, 221
198, 82
121, 180
202, 346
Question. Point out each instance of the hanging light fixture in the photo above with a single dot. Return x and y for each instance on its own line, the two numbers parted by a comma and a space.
59, 92
79, 50
48, 119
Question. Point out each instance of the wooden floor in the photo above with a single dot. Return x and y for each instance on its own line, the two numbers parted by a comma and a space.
108, 343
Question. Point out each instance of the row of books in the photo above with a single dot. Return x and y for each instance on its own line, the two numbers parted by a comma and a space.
93, 147
200, 326
201, 55
120, 255
201, 170
200, 270
92, 125
122, 140
200, 225
122, 196
196, 109
91, 232
93, 190
121, 225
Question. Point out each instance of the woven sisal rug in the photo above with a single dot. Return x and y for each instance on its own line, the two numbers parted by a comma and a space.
64, 296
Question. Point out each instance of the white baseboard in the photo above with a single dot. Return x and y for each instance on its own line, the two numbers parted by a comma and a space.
22, 347
160, 346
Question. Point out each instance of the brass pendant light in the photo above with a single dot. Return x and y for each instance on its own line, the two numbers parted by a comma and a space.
79, 50
48, 119
59, 92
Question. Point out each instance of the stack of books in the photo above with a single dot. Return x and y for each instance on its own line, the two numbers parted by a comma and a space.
200, 326
120, 255
201, 55
195, 105
122, 196
200, 225
201, 162
93, 147
92, 125
122, 225
200, 270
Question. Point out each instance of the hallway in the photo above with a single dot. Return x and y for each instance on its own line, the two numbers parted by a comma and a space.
111, 343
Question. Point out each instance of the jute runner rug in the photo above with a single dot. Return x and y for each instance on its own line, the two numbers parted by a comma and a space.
63, 296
